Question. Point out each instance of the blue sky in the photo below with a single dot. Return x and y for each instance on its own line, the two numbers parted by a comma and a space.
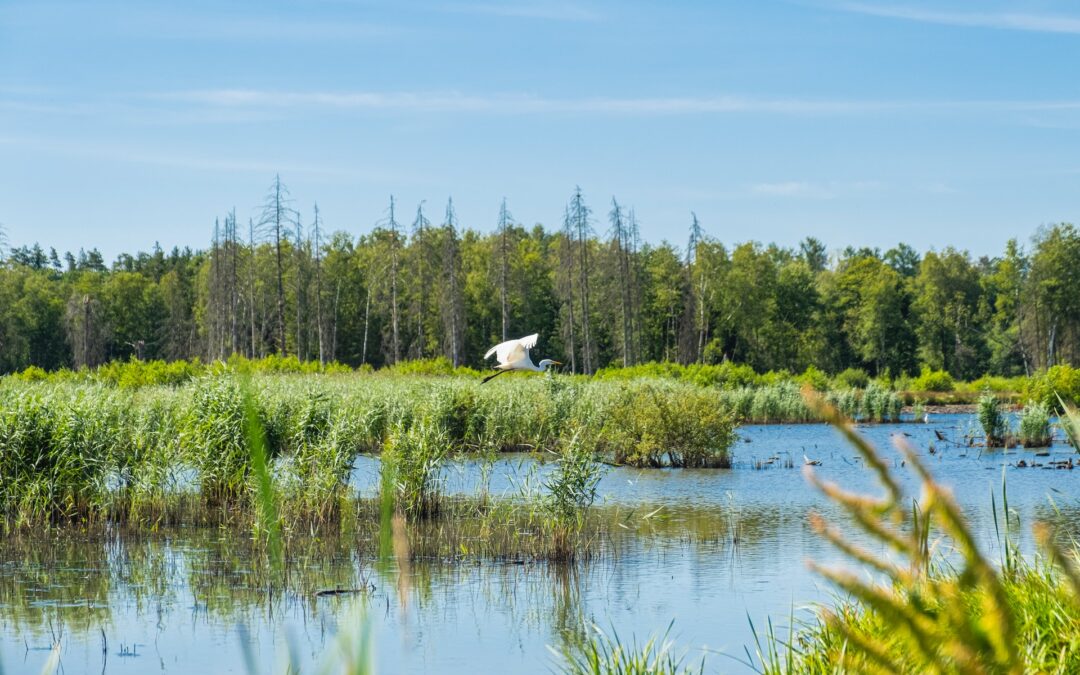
863, 123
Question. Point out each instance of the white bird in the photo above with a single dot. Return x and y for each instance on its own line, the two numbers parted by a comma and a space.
514, 355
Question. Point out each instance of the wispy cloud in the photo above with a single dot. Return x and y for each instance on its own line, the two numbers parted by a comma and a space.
1041, 23
458, 102
802, 189
185, 160
533, 10
115, 19
524, 104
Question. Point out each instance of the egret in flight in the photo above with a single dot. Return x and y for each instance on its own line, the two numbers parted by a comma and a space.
514, 355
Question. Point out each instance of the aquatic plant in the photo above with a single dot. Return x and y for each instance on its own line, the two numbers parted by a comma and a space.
412, 462
992, 419
918, 410
1035, 426
603, 654
965, 615
646, 425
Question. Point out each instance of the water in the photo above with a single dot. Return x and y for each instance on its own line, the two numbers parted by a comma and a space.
191, 600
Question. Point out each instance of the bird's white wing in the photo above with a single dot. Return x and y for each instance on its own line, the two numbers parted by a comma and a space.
513, 351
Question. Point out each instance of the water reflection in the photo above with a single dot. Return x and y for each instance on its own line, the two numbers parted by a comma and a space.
705, 547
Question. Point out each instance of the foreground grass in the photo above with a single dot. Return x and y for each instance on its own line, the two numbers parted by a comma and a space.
1044, 618
916, 612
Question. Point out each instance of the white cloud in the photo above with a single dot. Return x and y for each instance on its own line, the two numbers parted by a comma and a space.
525, 104
534, 10
457, 102
802, 189
1042, 23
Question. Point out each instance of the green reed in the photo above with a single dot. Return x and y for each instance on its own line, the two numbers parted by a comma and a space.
963, 615
1035, 426
84, 450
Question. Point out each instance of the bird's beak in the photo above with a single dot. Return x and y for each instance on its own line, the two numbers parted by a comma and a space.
557, 363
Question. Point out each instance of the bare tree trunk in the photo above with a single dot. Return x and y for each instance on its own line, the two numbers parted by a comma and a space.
367, 317
251, 285
619, 236
301, 299
234, 285
635, 289
278, 227
581, 220
396, 343
420, 243
504, 264
334, 326
452, 308
318, 289
568, 271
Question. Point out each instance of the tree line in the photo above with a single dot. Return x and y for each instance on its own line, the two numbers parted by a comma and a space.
421, 285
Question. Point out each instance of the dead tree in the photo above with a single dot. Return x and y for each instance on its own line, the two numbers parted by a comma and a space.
505, 221
580, 215
395, 343
278, 221
318, 288
566, 263
619, 239
421, 226
452, 305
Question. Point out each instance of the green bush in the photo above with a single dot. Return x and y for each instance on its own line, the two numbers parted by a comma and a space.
933, 380
1045, 386
814, 378
852, 378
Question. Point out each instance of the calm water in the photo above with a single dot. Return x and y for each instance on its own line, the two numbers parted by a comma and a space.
190, 601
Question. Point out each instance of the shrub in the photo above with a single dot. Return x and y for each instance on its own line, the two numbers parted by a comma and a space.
814, 378
852, 378
1045, 387
933, 380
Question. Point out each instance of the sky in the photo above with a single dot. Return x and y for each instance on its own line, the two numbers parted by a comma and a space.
860, 123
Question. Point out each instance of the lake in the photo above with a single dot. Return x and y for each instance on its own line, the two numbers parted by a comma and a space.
711, 550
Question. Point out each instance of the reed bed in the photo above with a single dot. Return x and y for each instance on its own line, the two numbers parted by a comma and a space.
784, 403
168, 454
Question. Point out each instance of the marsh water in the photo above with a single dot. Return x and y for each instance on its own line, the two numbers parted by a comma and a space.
712, 550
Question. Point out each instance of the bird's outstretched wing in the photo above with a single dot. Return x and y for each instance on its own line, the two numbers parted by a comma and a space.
513, 350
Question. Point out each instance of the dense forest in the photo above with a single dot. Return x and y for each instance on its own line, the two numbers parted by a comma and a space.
422, 285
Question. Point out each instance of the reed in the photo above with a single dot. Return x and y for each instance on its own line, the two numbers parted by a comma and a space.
962, 615
1035, 426
603, 654
992, 419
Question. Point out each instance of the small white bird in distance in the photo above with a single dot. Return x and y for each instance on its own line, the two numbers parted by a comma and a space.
514, 355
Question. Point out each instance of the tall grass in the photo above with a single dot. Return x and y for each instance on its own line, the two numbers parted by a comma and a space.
603, 654
85, 450
1035, 426
962, 615
993, 421
784, 403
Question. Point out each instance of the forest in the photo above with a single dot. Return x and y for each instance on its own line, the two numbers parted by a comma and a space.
421, 284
